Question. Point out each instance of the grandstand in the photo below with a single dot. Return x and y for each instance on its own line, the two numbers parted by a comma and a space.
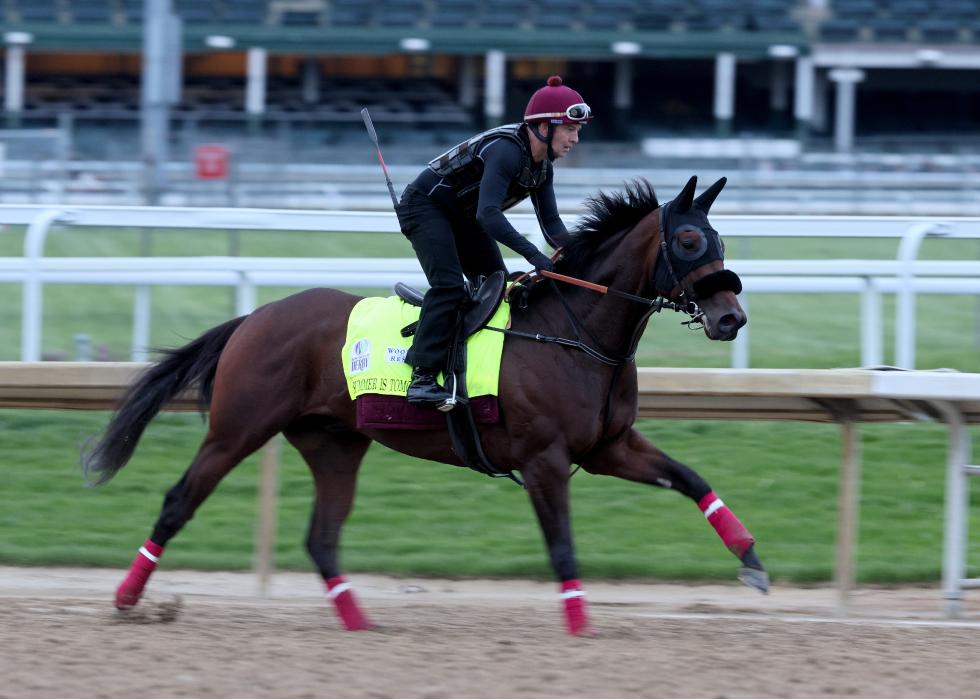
833, 75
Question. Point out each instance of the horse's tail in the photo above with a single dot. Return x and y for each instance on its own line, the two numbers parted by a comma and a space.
180, 368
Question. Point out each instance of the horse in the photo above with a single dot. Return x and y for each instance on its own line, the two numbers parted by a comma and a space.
563, 401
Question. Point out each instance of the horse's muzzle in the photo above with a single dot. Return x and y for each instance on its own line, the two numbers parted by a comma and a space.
729, 324
722, 316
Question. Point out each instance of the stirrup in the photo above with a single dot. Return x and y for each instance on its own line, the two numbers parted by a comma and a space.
450, 402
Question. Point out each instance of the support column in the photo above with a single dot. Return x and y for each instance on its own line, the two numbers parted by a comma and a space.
781, 55
13, 97
819, 120
493, 87
467, 82
846, 79
778, 93
255, 85
265, 539
803, 97
623, 96
311, 80
724, 92
175, 60
156, 88
849, 497
957, 508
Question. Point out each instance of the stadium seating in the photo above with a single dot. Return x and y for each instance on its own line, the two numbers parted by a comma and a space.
132, 11
245, 12
38, 11
845, 21
609, 14
450, 18
841, 29
902, 21
299, 18
92, 11
937, 31
542, 15
931, 21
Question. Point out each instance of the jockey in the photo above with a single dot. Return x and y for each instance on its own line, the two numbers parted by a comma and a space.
452, 214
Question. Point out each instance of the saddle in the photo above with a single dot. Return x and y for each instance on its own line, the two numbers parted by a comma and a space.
477, 310
483, 302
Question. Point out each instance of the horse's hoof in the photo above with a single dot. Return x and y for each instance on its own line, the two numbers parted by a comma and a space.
125, 601
754, 578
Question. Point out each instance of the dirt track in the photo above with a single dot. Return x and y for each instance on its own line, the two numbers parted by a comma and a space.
59, 637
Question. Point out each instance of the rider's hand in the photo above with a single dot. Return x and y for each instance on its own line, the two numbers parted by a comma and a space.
541, 261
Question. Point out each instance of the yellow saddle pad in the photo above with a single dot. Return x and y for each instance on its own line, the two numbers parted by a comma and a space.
374, 351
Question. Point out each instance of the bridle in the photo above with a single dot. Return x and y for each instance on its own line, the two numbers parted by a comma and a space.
657, 304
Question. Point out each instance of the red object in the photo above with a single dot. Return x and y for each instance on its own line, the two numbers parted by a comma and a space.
211, 162
346, 604
576, 620
128, 593
732, 532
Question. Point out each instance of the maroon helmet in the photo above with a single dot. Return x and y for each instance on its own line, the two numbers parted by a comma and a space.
556, 103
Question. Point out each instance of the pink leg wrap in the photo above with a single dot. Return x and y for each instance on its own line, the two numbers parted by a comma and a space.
128, 593
573, 597
732, 532
346, 604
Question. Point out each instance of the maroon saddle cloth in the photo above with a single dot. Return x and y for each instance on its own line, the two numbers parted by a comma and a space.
381, 412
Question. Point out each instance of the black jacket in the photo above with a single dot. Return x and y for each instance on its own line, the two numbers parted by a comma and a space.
484, 176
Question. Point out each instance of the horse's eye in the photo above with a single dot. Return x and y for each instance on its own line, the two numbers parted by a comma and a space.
689, 242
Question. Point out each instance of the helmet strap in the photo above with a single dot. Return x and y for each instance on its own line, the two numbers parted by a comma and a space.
533, 128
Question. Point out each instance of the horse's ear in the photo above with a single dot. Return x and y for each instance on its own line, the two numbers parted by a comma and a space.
707, 197
686, 197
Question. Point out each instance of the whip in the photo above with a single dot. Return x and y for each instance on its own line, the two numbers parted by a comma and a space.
373, 135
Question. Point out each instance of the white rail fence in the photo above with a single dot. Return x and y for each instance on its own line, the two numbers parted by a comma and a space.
906, 276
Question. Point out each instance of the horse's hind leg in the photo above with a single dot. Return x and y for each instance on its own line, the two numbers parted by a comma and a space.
216, 457
333, 453
634, 458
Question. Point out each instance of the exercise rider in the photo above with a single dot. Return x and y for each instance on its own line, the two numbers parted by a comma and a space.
453, 215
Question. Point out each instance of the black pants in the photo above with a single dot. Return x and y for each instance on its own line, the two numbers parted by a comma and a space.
448, 249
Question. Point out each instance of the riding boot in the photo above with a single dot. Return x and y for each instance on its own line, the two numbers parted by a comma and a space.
426, 391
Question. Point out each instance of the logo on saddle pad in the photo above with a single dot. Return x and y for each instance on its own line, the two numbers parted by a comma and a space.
396, 355
360, 356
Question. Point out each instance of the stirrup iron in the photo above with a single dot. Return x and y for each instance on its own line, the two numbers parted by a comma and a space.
450, 402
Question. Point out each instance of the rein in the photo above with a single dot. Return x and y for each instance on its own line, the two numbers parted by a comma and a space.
654, 305
661, 302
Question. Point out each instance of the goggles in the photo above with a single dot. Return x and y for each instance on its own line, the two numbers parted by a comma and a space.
575, 112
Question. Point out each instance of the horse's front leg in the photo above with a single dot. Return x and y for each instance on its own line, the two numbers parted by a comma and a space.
548, 488
634, 458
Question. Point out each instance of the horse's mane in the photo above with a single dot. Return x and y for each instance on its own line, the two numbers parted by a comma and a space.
607, 215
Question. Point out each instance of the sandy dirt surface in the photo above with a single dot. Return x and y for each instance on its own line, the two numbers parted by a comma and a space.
213, 635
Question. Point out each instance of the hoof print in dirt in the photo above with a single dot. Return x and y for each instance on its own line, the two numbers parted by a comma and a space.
150, 612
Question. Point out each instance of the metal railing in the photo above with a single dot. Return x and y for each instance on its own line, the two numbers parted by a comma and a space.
905, 276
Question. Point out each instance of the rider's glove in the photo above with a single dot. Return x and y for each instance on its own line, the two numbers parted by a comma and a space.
540, 261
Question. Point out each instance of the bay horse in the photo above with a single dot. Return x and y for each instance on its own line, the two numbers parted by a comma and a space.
573, 401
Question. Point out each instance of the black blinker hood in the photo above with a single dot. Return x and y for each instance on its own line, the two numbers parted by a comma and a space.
687, 211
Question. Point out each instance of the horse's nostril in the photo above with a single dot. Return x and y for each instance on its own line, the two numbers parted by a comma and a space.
730, 322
